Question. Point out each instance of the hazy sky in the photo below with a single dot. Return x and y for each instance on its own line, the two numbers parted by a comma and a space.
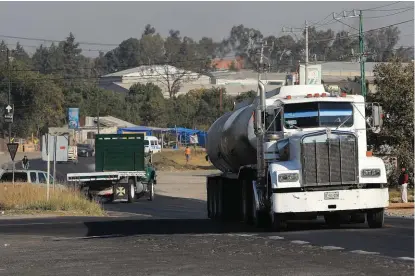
112, 22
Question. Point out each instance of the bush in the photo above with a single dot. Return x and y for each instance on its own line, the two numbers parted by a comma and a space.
23, 197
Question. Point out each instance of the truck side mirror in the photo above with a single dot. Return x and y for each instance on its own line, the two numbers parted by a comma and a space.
377, 118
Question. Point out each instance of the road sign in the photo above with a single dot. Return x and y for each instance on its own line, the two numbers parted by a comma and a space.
8, 114
12, 147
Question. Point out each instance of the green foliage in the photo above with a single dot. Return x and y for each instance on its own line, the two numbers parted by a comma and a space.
395, 91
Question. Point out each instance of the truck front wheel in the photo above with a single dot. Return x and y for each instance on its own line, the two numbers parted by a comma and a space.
278, 223
333, 220
375, 218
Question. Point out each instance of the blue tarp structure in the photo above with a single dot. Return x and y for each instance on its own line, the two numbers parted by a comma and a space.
139, 129
183, 134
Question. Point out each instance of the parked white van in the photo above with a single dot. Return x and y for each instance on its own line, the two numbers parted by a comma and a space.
151, 143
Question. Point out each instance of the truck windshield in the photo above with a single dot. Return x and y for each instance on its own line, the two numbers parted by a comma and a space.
318, 114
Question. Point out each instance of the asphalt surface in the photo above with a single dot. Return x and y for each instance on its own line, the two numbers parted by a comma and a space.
171, 236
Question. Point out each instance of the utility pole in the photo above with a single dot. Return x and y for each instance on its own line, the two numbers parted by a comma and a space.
9, 97
306, 54
362, 55
305, 29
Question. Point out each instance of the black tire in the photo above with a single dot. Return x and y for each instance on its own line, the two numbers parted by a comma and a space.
150, 187
260, 218
278, 222
247, 202
376, 218
333, 220
131, 190
358, 218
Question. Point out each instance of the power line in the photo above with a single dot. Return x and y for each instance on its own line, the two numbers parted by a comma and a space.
386, 15
371, 9
52, 40
403, 8
356, 35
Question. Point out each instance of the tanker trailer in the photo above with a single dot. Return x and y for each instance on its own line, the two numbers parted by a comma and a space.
308, 159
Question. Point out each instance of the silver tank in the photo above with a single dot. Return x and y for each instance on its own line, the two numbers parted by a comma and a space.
231, 141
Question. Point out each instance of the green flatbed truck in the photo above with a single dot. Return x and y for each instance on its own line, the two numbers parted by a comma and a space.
123, 172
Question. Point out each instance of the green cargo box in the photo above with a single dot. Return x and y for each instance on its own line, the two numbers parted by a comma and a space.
119, 152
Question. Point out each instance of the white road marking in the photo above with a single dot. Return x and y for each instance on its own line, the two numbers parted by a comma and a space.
406, 258
86, 238
243, 235
364, 252
275, 238
329, 247
40, 223
300, 242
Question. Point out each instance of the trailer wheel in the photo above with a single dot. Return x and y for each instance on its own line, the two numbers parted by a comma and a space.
375, 218
131, 190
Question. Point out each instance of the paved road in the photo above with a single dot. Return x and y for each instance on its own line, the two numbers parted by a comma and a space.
170, 236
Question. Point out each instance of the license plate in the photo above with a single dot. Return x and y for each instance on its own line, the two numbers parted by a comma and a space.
331, 195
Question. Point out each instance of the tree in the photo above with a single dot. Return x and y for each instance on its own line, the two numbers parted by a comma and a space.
342, 47
395, 88
150, 103
149, 30
380, 43
128, 54
20, 54
319, 42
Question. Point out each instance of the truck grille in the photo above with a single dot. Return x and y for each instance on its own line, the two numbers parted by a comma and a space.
333, 162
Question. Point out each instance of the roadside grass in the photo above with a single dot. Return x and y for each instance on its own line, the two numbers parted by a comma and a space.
23, 198
395, 195
175, 160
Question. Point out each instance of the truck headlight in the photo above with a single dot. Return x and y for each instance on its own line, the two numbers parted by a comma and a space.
288, 177
370, 173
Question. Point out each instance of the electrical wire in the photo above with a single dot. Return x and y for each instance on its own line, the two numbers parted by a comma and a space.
383, 6
386, 15
356, 35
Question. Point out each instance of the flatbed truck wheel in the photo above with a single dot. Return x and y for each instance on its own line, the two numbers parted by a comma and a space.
150, 187
375, 218
131, 190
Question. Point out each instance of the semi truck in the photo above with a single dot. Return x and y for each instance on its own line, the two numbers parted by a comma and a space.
297, 152
123, 172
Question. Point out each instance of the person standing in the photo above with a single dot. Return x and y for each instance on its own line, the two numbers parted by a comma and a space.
187, 152
403, 182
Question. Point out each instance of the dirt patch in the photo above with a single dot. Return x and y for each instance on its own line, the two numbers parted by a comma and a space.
175, 160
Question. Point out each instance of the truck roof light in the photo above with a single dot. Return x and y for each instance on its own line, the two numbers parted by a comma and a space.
316, 95
309, 95
288, 97
344, 94
369, 153
324, 94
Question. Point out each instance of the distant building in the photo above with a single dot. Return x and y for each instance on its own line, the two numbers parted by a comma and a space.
160, 75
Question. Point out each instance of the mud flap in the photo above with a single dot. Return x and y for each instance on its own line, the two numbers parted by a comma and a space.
120, 191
